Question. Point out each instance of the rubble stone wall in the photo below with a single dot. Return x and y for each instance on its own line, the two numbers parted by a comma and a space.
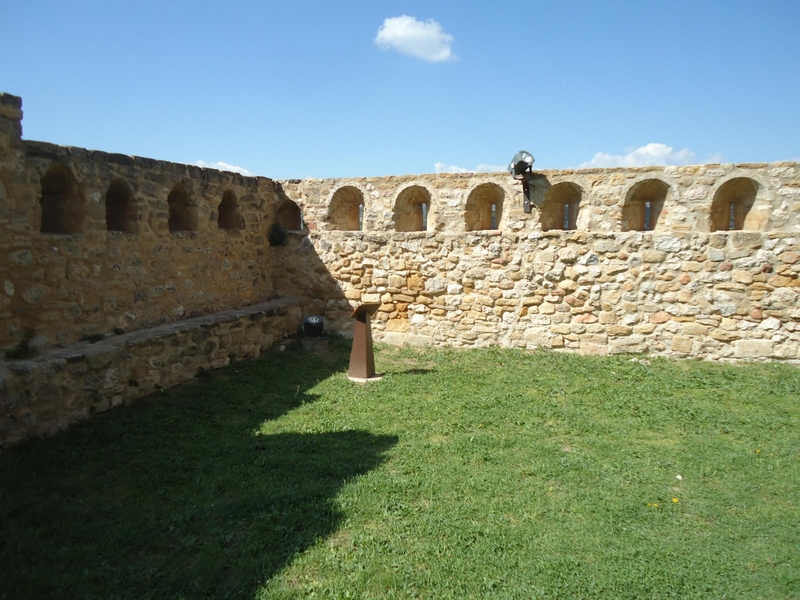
731, 295
46, 394
65, 275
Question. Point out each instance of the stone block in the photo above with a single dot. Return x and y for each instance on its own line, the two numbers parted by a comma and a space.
418, 340
682, 344
754, 348
398, 325
624, 345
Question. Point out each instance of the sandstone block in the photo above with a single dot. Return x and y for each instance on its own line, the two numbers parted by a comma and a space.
415, 283
682, 344
619, 330
605, 246
653, 256
392, 338
623, 345
694, 329
668, 243
398, 325
722, 335
660, 317
418, 340
754, 348
546, 308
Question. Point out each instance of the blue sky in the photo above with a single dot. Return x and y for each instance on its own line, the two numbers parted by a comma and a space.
312, 89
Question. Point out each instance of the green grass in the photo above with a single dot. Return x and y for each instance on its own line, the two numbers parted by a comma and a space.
471, 474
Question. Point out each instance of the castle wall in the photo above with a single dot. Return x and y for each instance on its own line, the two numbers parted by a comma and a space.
731, 295
60, 387
79, 279
699, 261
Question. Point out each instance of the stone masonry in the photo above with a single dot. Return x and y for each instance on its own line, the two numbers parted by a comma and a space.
698, 261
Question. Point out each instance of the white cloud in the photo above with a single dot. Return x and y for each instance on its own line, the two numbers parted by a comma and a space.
223, 166
420, 39
650, 154
481, 168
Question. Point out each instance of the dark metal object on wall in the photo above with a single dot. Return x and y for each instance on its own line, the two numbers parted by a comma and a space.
313, 326
521, 169
362, 358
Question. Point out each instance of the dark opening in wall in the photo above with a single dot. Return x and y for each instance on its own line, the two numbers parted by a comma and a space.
411, 209
121, 208
643, 205
290, 216
560, 207
182, 211
732, 203
229, 216
63, 205
346, 210
484, 207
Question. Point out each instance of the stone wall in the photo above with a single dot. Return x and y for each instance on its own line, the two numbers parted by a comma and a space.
684, 199
731, 295
92, 242
50, 392
699, 261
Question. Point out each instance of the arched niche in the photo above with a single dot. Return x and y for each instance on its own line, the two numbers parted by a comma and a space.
643, 205
121, 208
411, 209
182, 211
228, 216
732, 204
560, 206
484, 207
62, 202
346, 210
290, 216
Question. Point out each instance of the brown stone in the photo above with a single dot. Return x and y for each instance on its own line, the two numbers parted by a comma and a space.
660, 317
398, 325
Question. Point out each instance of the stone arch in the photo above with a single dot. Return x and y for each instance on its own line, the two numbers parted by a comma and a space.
228, 216
62, 202
643, 205
560, 206
121, 208
290, 216
411, 209
732, 204
484, 207
346, 209
182, 211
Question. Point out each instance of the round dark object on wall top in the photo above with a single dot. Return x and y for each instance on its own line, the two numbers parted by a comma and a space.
313, 326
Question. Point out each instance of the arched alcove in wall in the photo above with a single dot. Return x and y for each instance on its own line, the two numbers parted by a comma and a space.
346, 209
63, 205
182, 211
643, 205
228, 216
411, 209
290, 216
560, 206
121, 207
484, 207
732, 204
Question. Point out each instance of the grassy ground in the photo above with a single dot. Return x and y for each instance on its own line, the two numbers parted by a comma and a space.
480, 474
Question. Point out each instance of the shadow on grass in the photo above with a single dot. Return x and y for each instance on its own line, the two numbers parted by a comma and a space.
177, 496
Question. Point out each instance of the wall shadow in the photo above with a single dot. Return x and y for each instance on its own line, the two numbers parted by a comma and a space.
177, 495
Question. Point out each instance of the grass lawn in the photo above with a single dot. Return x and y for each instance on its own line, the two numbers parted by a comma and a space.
462, 474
